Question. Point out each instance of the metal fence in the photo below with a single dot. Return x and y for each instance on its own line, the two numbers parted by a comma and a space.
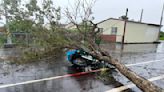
17, 38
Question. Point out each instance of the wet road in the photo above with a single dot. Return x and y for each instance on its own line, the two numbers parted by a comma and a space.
133, 56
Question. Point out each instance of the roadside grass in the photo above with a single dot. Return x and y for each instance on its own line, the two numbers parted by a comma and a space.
161, 38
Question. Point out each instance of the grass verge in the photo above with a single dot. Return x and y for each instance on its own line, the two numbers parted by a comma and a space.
161, 38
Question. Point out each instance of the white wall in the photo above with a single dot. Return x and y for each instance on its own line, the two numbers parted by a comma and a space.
135, 32
141, 33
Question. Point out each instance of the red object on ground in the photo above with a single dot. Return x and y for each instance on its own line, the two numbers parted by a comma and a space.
80, 73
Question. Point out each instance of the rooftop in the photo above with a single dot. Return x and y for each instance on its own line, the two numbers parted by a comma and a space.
129, 21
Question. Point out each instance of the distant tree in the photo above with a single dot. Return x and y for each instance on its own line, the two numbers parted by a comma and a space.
161, 34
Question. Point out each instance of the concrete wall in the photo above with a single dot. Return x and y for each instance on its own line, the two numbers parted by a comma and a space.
135, 32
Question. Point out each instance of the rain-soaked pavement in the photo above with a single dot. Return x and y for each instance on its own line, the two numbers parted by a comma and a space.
147, 60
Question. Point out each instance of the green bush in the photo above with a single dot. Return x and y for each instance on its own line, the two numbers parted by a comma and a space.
161, 35
2, 40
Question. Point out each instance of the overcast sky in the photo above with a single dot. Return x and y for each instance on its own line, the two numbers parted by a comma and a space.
104, 9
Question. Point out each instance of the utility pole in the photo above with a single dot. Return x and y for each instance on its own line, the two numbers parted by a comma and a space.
9, 41
141, 15
125, 22
161, 22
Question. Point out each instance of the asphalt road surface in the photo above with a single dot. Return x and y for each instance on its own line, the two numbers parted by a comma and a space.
146, 60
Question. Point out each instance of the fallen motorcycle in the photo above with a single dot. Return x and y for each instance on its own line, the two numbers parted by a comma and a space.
85, 61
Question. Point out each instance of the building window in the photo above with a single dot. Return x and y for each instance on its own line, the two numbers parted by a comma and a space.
100, 30
114, 31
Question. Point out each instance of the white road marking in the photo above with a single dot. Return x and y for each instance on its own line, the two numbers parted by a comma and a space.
57, 77
122, 88
31, 81
142, 63
47, 79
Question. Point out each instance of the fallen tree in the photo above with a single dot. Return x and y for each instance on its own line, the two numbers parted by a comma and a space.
89, 32
139, 81
142, 83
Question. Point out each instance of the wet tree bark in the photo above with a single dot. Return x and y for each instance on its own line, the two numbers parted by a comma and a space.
140, 82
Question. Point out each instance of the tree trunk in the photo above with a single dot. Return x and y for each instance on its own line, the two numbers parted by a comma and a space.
140, 82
